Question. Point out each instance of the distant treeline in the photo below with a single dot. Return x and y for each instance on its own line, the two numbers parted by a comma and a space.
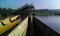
4, 12
46, 12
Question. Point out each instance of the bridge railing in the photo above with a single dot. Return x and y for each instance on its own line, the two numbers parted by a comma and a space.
6, 24
31, 26
21, 29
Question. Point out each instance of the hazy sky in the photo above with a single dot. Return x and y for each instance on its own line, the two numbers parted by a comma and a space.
39, 4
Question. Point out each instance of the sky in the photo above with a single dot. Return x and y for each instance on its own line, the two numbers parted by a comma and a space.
39, 4
12, 3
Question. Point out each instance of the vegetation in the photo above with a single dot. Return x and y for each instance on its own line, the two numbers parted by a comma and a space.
46, 12
4, 12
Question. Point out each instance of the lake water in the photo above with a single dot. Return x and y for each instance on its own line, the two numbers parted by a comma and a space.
51, 21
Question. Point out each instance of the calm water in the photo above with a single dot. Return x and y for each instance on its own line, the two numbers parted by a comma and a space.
51, 21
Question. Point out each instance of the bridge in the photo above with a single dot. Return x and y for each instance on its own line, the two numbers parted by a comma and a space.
24, 24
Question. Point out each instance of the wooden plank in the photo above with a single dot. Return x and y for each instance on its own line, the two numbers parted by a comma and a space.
21, 29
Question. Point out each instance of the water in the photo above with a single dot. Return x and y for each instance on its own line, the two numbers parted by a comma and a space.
51, 21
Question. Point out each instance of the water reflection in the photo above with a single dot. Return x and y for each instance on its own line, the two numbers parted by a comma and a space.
51, 21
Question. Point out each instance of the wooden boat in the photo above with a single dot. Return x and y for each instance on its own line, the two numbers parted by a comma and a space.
8, 23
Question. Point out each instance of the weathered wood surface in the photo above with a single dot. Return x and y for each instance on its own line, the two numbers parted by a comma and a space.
21, 29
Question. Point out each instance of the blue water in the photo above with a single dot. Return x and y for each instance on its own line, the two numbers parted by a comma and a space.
51, 21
